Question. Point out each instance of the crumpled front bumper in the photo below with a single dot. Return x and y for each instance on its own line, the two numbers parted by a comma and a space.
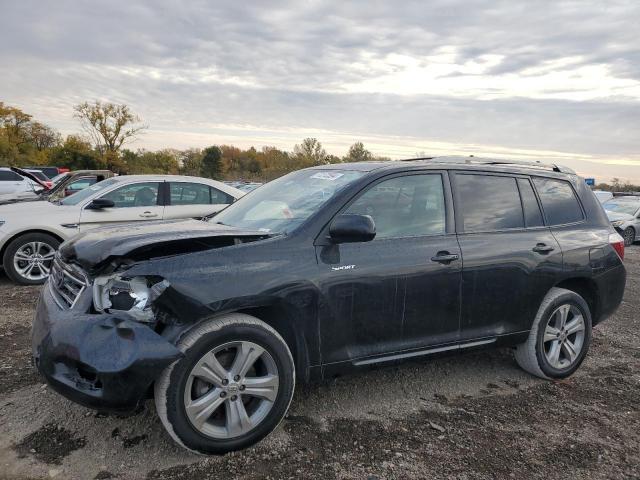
102, 361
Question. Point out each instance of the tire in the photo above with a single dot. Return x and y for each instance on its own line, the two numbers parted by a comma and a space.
629, 236
178, 393
40, 244
536, 355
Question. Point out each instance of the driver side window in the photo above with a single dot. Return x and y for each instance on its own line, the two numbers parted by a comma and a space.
407, 206
135, 195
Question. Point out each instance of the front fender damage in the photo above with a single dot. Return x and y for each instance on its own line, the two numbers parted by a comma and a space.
104, 361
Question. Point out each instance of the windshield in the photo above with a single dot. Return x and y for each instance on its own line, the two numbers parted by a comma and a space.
78, 197
285, 203
622, 206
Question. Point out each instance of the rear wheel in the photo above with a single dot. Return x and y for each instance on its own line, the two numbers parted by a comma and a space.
28, 258
559, 338
629, 236
232, 387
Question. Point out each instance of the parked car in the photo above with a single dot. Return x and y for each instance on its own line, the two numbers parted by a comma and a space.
624, 213
62, 186
248, 187
50, 172
16, 182
323, 271
41, 176
603, 195
30, 232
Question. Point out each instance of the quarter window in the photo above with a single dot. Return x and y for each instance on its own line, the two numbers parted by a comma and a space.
488, 203
404, 206
135, 195
558, 201
532, 213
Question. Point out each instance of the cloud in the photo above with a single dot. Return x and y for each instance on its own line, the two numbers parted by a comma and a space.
501, 77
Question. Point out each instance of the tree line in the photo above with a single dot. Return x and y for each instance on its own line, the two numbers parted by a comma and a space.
107, 128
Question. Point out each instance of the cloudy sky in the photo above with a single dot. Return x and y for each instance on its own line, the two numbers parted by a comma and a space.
554, 81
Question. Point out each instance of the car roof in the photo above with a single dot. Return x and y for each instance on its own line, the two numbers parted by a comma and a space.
456, 162
124, 178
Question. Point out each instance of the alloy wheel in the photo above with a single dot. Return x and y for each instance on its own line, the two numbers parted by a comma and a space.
564, 336
33, 260
231, 389
629, 236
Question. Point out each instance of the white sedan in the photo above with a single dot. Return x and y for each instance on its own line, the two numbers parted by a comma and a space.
31, 232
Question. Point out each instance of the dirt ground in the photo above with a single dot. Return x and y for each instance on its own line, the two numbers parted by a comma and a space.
471, 416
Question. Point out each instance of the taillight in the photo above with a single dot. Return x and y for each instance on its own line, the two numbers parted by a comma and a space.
617, 242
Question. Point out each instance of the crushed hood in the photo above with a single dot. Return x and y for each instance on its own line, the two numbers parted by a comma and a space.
144, 240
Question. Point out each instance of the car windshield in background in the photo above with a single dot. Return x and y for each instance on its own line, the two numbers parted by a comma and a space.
629, 207
78, 197
285, 203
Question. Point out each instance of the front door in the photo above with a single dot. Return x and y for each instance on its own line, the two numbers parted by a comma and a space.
134, 202
511, 259
393, 293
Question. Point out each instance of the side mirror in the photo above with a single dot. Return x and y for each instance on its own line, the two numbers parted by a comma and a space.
350, 228
100, 203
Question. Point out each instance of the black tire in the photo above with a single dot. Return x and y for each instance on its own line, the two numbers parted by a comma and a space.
16, 245
629, 236
532, 354
169, 392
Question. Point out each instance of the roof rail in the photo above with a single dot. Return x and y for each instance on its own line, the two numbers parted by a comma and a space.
471, 160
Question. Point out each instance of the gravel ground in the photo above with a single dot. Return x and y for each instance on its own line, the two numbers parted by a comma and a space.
471, 416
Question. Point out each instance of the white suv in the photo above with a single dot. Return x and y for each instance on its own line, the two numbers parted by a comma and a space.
31, 232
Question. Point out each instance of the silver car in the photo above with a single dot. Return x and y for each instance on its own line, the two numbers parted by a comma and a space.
624, 214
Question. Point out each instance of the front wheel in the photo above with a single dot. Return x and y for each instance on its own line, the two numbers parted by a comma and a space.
559, 338
232, 387
629, 236
28, 259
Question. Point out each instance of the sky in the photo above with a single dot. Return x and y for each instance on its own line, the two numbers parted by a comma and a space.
555, 81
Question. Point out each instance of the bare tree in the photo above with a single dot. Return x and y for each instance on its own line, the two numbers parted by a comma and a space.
108, 124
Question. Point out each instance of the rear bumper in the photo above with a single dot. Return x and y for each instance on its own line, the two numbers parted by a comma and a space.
105, 362
611, 285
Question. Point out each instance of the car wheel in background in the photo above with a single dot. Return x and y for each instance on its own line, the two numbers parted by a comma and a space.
232, 387
28, 258
559, 338
629, 236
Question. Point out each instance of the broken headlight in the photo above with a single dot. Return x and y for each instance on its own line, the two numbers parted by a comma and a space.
134, 296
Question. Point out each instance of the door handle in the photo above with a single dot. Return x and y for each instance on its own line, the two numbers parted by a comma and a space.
543, 248
445, 257
148, 215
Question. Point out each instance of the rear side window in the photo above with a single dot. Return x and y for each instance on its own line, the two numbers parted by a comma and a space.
9, 176
532, 213
488, 203
558, 201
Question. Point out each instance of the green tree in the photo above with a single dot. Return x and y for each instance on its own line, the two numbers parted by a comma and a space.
212, 163
109, 126
310, 152
191, 161
357, 153
76, 153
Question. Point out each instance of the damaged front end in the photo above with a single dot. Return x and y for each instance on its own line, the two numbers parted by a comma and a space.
107, 323
95, 341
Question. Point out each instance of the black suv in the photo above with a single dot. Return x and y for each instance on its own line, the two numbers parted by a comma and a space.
324, 270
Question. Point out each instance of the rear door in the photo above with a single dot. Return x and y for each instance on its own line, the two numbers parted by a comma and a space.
133, 202
194, 200
511, 259
388, 294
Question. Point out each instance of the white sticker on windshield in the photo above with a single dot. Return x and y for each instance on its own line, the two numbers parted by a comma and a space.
327, 175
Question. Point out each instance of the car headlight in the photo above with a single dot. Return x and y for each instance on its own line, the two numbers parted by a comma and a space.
116, 293
617, 223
